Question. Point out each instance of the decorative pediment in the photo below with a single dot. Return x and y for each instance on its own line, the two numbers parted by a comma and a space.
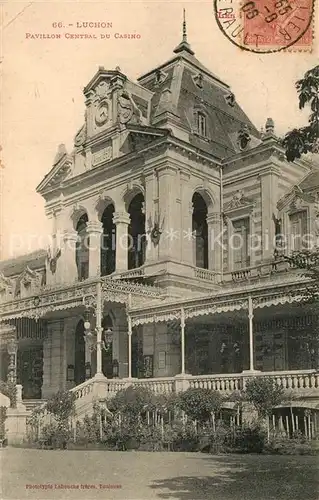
80, 137
28, 276
61, 168
295, 200
27, 283
239, 201
127, 109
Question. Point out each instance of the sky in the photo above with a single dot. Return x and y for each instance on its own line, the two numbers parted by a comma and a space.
42, 83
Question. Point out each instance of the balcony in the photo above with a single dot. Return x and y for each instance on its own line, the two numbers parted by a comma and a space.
297, 383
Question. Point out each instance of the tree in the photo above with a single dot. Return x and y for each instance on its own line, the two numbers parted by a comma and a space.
305, 139
200, 404
264, 394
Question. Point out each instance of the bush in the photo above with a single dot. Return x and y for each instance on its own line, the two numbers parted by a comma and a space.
247, 439
61, 405
3, 417
55, 436
264, 394
199, 404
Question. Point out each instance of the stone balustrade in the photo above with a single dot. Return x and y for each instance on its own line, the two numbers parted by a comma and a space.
206, 274
295, 380
163, 385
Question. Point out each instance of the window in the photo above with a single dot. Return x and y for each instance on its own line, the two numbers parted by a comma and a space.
298, 230
201, 124
240, 243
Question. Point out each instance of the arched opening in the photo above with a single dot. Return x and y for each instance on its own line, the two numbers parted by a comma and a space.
108, 241
79, 354
200, 228
136, 233
82, 248
107, 355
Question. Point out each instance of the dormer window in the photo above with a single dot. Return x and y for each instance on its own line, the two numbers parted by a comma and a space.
201, 124
198, 79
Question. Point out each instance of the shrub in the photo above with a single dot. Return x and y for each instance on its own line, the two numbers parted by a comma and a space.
55, 436
61, 405
264, 394
247, 439
3, 417
199, 404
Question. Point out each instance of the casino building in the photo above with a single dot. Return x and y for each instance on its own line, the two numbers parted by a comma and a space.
151, 277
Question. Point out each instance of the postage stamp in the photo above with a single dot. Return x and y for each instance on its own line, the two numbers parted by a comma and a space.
266, 25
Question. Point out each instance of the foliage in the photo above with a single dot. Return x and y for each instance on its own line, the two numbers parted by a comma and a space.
9, 389
3, 417
61, 405
247, 439
305, 139
55, 436
199, 404
132, 401
264, 394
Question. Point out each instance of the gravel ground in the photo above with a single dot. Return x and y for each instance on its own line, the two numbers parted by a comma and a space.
86, 475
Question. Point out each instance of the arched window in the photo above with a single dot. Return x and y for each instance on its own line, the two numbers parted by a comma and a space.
108, 241
136, 232
82, 248
201, 124
199, 222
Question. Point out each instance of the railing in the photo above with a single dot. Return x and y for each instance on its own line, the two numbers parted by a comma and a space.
133, 273
262, 270
295, 380
83, 389
223, 383
205, 274
158, 385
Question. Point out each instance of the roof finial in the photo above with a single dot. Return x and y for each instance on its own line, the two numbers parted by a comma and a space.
184, 45
184, 27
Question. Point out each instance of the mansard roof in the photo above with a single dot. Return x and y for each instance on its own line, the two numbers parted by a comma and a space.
16, 266
177, 91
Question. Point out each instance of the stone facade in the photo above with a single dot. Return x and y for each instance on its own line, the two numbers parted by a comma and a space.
159, 168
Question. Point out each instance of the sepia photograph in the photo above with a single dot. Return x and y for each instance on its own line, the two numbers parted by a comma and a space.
159, 250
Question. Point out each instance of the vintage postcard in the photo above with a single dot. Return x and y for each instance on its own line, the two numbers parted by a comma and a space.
159, 251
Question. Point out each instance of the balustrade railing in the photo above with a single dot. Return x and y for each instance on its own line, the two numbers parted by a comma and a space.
205, 274
158, 385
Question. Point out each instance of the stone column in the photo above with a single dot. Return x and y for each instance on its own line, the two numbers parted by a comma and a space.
269, 198
169, 242
129, 331
122, 220
251, 336
183, 341
215, 241
69, 263
94, 230
187, 238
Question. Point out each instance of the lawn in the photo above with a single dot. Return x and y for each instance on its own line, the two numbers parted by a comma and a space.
45, 474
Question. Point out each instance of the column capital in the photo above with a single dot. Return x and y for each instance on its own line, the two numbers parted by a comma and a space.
121, 218
94, 227
213, 218
70, 236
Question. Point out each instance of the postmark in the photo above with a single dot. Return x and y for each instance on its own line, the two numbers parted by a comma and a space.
265, 26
